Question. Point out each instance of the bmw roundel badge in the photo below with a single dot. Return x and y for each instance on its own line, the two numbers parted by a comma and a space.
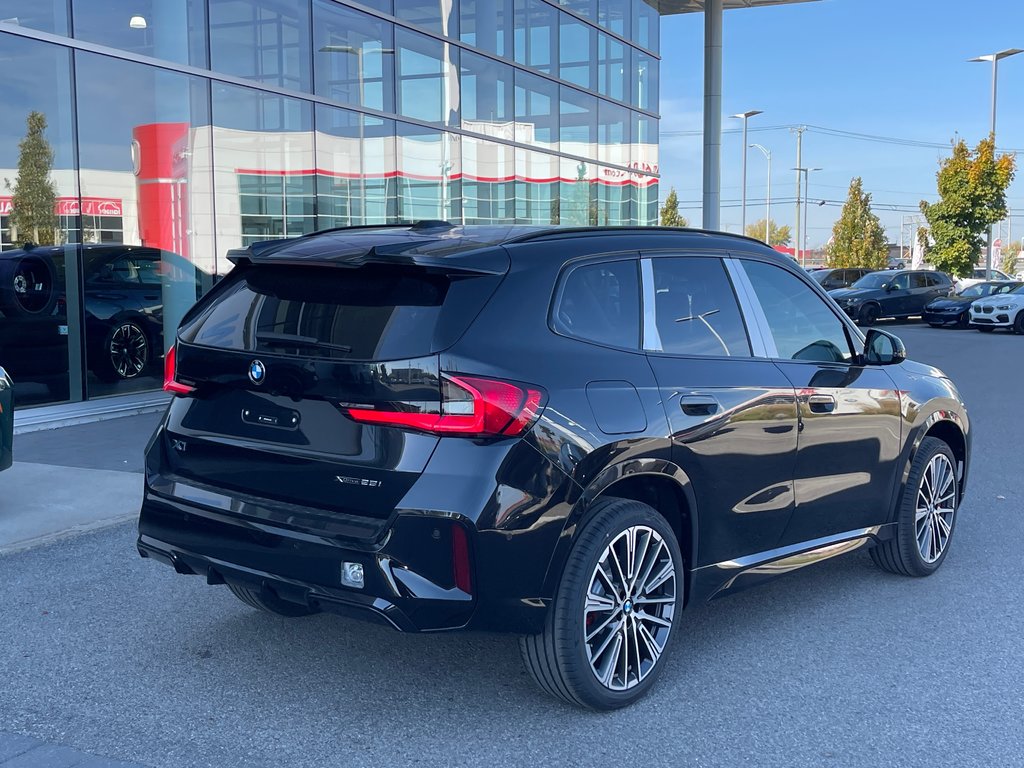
257, 372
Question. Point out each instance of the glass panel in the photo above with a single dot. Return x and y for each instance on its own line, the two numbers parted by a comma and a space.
537, 184
614, 15
355, 57
488, 182
578, 193
613, 139
612, 66
428, 85
614, 190
803, 326
165, 29
139, 287
263, 155
586, 8
536, 35
355, 169
488, 24
646, 201
646, 23
487, 96
577, 44
536, 111
696, 312
45, 15
265, 40
645, 79
645, 143
601, 302
429, 167
578, 132
440, 16
39, 308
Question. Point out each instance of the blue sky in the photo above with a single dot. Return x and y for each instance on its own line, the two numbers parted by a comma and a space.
894, 68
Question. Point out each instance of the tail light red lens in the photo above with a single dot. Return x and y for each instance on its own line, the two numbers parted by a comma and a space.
471, 406
460, 559
171, 384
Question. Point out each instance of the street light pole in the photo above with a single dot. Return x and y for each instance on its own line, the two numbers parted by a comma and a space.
994, 58
768, 206
743, 208
807, 193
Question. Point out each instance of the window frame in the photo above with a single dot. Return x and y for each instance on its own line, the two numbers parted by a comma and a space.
648, 297
587, 261
854, 337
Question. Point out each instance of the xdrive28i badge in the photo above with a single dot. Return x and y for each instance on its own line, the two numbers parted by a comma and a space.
257, 372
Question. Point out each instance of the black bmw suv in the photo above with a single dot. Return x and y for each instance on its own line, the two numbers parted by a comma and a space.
569, 434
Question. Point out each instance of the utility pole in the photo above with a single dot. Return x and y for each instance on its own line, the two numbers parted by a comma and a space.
799, 164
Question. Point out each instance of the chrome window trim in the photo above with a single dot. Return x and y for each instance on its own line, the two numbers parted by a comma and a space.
762, 342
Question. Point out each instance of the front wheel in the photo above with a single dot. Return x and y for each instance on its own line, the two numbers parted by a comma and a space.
926, 515
613, 618
868, 315
1018, 323
964, 321
125, 353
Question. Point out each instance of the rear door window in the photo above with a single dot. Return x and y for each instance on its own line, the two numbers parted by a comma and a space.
695, 309
600, 303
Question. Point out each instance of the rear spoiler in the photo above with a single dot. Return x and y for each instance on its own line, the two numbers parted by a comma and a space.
493, 262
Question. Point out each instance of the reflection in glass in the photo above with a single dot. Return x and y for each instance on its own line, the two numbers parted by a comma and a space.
165, 29
615, 15
645, 143
578, 122
612, 66
578, 193
536, 35
487, 96
356, 169
264, 177
613, 133
427, 77
355, 56
646, 22
586, 8
440, 16
429, 173
264, 40
536, 110
40, 208
615, 191
487, 24
537, 185
44, 15
577, 43
488, 182
153, 151
645, 79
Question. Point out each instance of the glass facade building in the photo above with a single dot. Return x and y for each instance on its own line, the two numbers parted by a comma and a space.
140, 140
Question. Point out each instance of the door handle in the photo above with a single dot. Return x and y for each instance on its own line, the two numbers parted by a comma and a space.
698, 405
821, 403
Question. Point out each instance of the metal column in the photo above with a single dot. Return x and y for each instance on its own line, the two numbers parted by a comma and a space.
712, 199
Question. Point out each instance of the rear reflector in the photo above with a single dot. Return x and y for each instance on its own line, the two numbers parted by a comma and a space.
460, 559
470, 407
171, 384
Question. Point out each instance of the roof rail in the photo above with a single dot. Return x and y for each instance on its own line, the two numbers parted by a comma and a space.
598, 230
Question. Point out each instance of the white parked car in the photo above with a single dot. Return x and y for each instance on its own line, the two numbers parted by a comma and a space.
977, 276
1004, 310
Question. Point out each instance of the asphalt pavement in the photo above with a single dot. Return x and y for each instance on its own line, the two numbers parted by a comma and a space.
836, 665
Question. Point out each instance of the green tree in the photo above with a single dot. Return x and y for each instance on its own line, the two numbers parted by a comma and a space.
858, 239
34, 197
972, 196
780, 235
669, 215
1010, 255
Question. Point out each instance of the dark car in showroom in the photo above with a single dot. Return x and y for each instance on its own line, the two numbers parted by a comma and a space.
955, 310
6, 420
567, 434
830, 279
124, 296
892, 293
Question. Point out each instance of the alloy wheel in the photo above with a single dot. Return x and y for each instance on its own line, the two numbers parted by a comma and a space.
129, 350
936, 505
630, 606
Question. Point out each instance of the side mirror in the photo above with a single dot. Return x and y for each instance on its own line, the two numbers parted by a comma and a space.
890, 287
882, 348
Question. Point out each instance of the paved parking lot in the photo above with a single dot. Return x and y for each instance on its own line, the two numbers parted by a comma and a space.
839, 665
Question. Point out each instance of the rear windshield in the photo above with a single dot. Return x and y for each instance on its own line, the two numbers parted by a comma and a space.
375, 312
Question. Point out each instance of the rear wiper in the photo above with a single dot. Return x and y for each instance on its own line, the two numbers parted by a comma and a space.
290, 340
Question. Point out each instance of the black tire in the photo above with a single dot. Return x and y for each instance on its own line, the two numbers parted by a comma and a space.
1018, 323
902, 553
935, 325
868, 315
985, 328
269, 603
125, 354
558, 657
964, 321
28, 284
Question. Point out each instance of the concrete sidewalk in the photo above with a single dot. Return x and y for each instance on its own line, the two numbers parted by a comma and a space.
73, 479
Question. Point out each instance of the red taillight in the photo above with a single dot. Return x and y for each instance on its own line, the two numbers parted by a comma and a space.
460, 559
171, 384
470, 407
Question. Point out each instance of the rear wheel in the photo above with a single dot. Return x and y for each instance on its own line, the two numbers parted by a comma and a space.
28, 284
1018, 323
125, 353
868, 315
926, 516
269, 602
614, 615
